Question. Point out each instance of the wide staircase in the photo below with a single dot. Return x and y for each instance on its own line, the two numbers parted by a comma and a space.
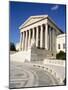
41, 54
20, 56
32, 54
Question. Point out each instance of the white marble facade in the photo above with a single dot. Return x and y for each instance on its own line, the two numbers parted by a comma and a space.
60, 43
40, 29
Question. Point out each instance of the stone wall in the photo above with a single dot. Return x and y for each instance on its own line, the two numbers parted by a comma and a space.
54, 62
38, 54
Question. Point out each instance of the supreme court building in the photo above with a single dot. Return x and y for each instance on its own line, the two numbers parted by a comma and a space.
41, 31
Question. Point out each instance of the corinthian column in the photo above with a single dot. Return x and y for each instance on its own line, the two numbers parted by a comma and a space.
50, 38
20, 41
37, 34
46, 37
23, 40
29, 39
54, 40
41, 37
33, 37
26, 41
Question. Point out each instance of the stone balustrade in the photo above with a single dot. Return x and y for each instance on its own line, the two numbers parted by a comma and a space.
54, 62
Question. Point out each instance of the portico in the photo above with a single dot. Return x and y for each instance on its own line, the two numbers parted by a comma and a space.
44, 36
40, 29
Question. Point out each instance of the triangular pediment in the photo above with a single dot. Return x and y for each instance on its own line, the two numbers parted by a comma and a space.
32, 19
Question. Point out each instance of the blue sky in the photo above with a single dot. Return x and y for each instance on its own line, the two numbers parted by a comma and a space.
20, 11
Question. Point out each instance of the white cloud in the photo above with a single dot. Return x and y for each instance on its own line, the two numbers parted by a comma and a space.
55, 7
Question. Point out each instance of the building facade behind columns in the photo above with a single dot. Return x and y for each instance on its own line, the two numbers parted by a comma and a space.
38, 34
